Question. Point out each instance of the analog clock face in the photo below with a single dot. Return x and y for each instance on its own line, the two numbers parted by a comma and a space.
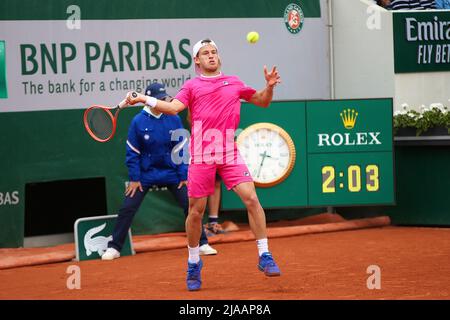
269, 153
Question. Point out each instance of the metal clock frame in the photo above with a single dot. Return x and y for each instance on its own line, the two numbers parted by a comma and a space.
291, 146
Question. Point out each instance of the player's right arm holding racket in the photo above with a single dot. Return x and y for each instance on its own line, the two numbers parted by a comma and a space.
173, 107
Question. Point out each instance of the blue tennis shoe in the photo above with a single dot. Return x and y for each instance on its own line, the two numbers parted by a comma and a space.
268, 265
194, 278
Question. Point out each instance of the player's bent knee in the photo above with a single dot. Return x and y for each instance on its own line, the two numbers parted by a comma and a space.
251, 201
195, 215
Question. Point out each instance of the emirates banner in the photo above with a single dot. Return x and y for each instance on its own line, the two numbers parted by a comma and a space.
422, 41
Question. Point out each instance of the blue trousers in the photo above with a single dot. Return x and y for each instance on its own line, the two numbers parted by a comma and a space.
131, 205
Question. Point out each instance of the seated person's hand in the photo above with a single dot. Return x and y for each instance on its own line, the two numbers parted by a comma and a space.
182, 183
133, 186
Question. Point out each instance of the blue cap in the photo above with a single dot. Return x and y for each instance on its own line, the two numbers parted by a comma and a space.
156, 90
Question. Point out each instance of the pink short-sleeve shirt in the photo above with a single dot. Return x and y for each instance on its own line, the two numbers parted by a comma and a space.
215, 104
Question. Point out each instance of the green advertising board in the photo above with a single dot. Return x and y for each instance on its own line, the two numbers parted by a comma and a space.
343, 152
93, 234
350, 159
421, 41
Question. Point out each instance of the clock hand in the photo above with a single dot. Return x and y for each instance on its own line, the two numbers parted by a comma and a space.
262, 162
269, 156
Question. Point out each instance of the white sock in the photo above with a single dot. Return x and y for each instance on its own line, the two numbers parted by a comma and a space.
263, 246
194, 254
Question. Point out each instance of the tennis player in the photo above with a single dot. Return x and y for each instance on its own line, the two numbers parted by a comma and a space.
214, 102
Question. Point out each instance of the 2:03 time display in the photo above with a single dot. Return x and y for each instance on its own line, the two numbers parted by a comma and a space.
354, 181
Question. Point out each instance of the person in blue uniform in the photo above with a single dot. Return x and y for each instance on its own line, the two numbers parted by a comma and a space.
149, 161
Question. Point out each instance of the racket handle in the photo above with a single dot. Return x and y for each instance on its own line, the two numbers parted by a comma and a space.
122, 103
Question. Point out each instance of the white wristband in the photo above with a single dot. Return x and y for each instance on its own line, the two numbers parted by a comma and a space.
151, 101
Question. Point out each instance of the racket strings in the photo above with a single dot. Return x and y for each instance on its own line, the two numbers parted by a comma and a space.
100, 123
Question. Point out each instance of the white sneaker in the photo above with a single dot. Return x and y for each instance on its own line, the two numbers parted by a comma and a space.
206, 250
111, 254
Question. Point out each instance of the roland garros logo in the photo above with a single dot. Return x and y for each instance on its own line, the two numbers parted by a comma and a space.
294, 18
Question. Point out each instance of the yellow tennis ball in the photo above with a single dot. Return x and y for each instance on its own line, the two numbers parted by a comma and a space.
252, 37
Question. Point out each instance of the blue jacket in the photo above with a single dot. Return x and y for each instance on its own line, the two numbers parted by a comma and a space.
149, 148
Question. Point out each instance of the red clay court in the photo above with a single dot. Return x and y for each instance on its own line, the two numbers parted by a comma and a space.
414, 263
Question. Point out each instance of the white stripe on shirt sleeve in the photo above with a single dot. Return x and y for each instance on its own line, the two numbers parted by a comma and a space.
133, 148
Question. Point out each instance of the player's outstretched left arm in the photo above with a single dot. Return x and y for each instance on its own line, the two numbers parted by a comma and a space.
264, 97
173, 107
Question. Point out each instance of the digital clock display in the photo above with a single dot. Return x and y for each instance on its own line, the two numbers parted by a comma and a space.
347, 179
353, 180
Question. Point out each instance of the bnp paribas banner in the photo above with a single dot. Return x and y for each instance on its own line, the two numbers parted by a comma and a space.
422, 41
72, 54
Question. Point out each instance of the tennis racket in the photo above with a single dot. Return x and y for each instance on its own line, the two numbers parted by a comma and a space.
101, 121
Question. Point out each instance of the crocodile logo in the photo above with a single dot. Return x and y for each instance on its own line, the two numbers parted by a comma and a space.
98, 244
